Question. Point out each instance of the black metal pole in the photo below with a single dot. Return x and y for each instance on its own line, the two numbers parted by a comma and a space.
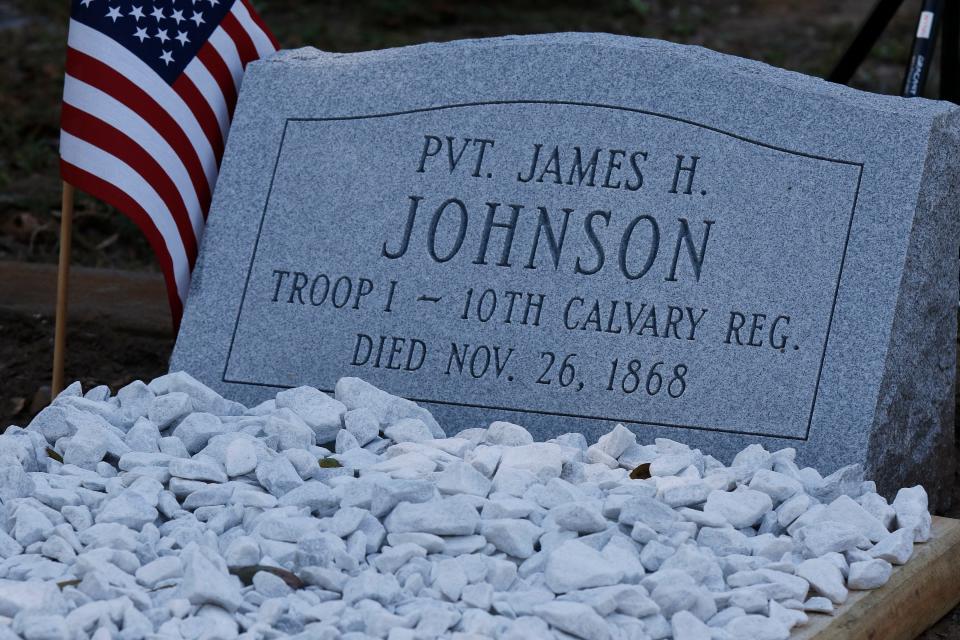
921, 55
950, 51
855, 54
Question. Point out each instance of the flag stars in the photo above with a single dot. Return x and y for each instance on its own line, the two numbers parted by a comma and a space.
150, 36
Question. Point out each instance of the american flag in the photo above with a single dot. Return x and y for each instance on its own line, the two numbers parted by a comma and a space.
148, 96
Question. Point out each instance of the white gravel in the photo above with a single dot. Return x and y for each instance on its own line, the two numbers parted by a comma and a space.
176, 513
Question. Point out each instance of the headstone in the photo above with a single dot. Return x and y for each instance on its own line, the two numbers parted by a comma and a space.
575, 230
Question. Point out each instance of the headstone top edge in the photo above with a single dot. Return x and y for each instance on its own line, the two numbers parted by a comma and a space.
311, 57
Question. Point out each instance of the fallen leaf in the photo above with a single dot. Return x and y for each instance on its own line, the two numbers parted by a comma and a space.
17, 405
246, 575
40, 400
106, 243
53, 454
642, 472
330, 463
20, 226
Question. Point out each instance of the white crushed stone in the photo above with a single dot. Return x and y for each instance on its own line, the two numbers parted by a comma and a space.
176, 513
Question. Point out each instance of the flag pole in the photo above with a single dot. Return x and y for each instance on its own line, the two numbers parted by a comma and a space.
63, 276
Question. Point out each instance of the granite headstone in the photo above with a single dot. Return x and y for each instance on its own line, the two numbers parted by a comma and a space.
575, 230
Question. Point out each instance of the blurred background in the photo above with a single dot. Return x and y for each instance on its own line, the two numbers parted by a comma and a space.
120, 326
802, 35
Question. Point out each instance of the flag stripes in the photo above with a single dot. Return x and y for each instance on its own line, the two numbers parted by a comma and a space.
146, 137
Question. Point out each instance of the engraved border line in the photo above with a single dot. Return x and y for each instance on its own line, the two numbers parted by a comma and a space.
253, 255
596, 105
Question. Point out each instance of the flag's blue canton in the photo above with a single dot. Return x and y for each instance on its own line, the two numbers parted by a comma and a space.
166, 34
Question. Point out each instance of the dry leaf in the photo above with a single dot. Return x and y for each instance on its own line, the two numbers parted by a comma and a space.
40, 399
246, 575
642, 472
106, 243
20, 226
17, 405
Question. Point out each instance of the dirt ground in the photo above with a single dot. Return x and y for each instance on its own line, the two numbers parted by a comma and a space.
803, 35
99, 354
